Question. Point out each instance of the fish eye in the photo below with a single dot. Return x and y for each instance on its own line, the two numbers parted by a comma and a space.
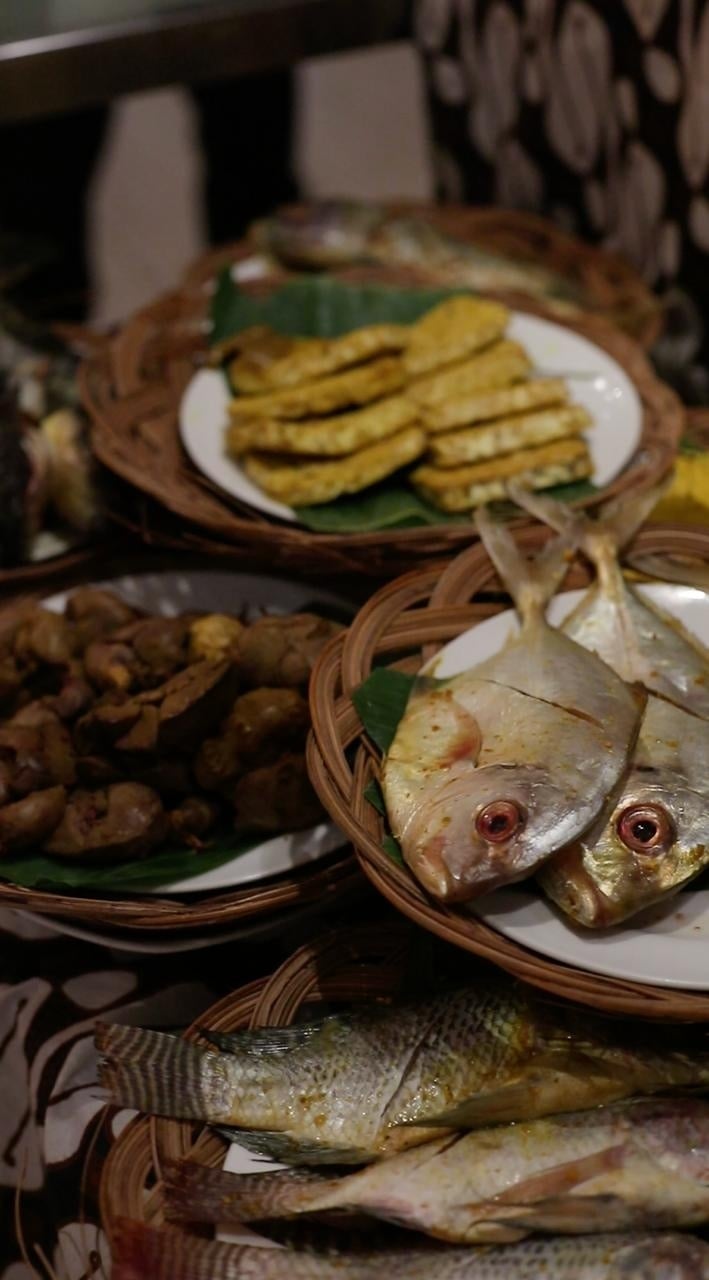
645, 828
499, 821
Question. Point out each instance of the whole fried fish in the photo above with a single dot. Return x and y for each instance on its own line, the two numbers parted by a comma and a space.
352, 1088
654, 838
494, 770
144, 1253
636, 1165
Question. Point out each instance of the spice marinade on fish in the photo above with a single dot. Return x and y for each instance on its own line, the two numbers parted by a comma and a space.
494, 770
143, 1253
654, 838
634, 1165
357, 1087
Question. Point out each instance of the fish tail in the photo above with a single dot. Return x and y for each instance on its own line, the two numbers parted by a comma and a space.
531, 583
145, 1253
160, 1074
600, 539
197, 1194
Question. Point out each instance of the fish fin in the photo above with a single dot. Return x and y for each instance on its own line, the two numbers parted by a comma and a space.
572, 1215
271, 1040
285, 1149
563, 1177
531, 583
158, 1073
144, 1253
194, 1193
510, 1101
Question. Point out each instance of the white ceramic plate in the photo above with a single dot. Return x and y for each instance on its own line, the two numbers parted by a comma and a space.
172, 593
602, 387
667, 945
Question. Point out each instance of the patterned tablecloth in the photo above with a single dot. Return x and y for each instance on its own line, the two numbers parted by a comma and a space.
52, 1117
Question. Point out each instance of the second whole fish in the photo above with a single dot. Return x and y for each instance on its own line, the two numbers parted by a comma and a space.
635, 1165
356, 1087
144, 1253
494, 770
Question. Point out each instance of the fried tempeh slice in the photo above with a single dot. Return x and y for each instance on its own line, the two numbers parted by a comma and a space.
355, 386
254, 351
328, 437
451, 331
319, 357
500, 365
462, 488
506, 435
483, 406
310, 483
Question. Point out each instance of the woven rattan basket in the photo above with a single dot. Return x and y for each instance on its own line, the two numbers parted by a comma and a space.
364, 963
323, 881
415, 615
132, 386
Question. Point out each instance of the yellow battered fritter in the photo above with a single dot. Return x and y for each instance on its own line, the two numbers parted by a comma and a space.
310, 483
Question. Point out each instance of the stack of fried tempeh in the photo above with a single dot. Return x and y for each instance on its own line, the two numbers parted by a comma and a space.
317, 418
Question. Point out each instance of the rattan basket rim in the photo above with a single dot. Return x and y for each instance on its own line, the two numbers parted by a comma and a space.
133, 384
324, 880
416, 614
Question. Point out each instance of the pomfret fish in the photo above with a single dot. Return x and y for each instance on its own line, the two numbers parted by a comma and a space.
492, 771
636, 1165
144, 1253
353, 1088
655, 836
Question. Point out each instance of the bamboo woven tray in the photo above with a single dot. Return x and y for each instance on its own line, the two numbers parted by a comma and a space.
415, 615
325, 880
132, 385
364, 963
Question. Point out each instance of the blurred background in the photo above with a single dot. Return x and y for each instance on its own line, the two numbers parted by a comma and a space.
360, 130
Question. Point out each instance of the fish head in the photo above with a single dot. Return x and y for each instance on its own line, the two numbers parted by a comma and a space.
655, 840
481, 830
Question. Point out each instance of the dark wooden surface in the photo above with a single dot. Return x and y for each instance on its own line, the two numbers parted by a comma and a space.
57, 55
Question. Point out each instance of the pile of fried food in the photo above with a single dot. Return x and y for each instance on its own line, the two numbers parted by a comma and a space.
122, 731
510, 1139
316, 418
577, 753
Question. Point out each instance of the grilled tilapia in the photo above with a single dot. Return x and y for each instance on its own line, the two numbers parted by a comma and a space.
636, 1165
352, 1088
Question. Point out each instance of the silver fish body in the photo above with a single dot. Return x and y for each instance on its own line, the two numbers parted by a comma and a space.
494, 770
654, 837
144, 1253
635, 1165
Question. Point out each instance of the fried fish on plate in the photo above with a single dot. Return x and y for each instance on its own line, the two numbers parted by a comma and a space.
452, 330
483, 406
499, 365
145, 1253
305, 483
334, 436
636, 1165
356, 386
465, 487
654, 837
365, 1083
494, 770
508, 435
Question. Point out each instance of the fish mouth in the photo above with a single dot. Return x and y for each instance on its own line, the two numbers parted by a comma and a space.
565, 880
